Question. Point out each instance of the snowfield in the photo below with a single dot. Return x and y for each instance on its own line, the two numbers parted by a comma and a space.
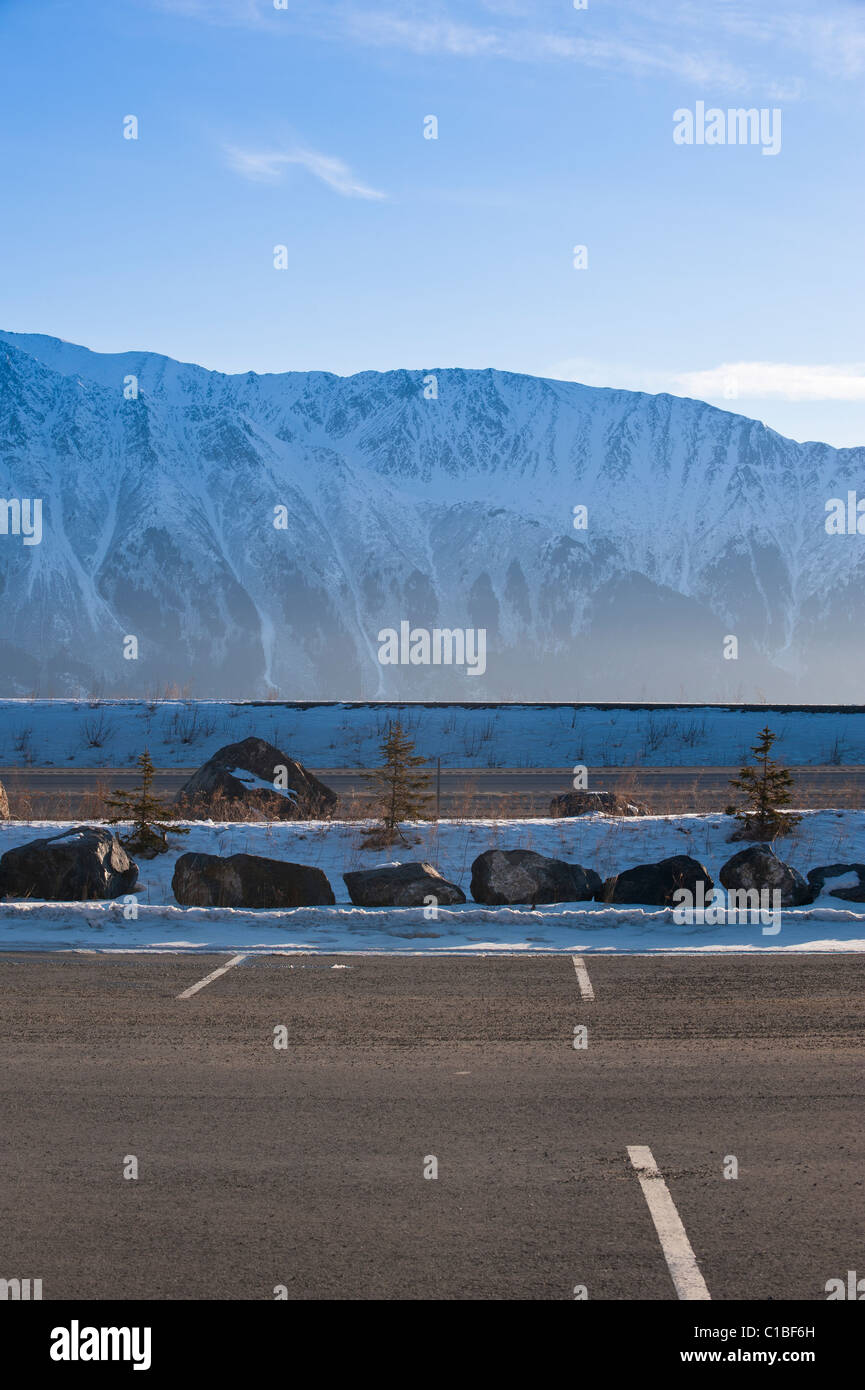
180, 733
605, 844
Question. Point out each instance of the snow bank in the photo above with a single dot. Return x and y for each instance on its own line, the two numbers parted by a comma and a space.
607, 845
49, 733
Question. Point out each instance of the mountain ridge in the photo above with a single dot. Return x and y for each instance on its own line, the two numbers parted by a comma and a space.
452, 512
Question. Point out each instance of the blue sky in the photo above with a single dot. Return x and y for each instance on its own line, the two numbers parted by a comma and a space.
712, 269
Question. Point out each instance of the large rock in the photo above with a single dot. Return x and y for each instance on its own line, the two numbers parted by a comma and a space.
522, 876
248, 880
820, 877
583, 803
401, 885
77, 865
656, 883
759, 867
246, 771
4, 803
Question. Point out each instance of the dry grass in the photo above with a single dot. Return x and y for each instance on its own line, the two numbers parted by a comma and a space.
26, 804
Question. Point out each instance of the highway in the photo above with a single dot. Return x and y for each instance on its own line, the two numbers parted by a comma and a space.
65, 792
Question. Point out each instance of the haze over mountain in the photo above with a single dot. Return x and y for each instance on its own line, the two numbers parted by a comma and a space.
451, 512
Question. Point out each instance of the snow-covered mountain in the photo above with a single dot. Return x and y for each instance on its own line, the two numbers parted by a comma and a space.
454, 511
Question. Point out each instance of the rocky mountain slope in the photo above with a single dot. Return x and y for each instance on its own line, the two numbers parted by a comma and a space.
456, 511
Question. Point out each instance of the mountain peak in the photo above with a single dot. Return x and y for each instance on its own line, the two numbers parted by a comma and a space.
257, 532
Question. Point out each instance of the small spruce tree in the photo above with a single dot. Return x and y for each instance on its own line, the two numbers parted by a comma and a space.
151, 818
767, 787
399, 790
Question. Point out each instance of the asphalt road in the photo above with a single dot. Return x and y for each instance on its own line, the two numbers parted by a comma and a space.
511, 791
304, 1167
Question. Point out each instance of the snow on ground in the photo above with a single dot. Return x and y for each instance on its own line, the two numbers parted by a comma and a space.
178, 733
606, 844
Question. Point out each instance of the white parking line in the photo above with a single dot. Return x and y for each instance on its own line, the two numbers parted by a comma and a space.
214, 975
583, 977
681, 1261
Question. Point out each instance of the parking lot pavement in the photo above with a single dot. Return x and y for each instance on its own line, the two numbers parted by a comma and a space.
302, 1167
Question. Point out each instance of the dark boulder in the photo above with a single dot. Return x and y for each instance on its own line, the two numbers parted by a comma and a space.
759, 867
248, 880
78, 865
248, 771
656, 883
522, 876
853, 893
583, 803
401, 885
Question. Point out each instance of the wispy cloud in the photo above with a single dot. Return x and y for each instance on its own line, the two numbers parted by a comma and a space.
831, 35
245, 12
527, 43
780, 381
267, 166
733, 44
729, 382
